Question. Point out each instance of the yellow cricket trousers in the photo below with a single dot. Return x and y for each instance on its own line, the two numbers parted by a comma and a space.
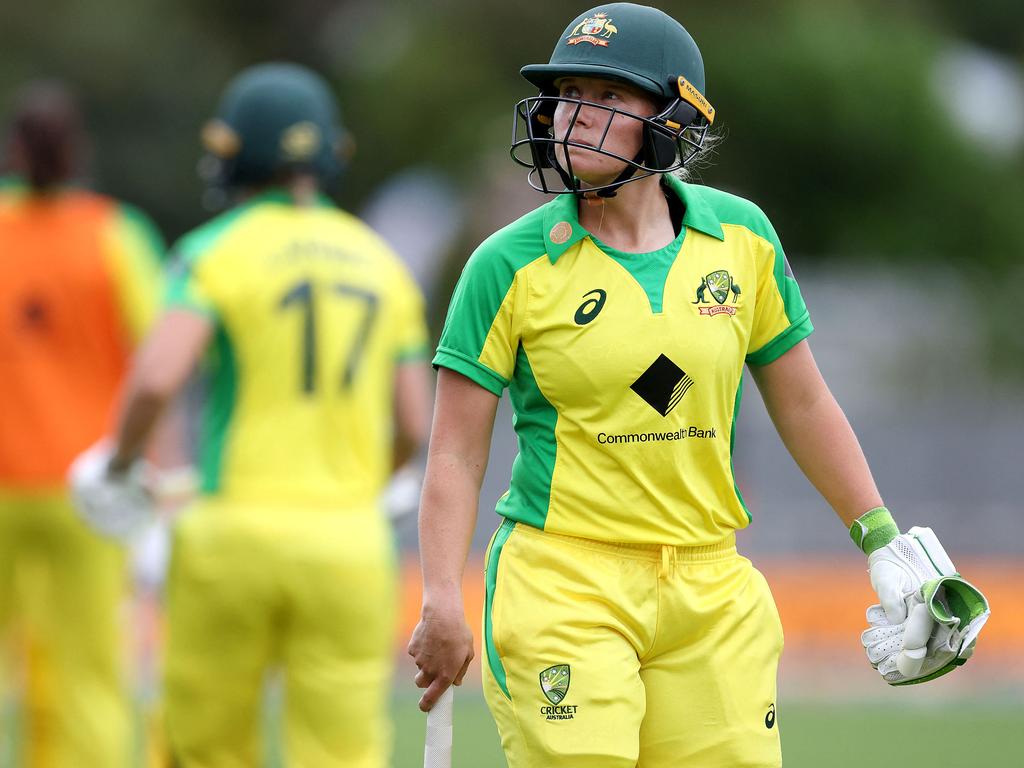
613, 656
311, 591
61, 591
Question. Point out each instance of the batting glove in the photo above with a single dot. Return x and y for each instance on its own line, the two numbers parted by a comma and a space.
928, 617
401, 499
113, 504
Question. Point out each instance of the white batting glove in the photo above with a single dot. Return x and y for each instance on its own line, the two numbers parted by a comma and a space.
928, 617
113, 504
402, 495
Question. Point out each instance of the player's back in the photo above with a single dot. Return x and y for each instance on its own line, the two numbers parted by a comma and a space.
312, 312
74, 294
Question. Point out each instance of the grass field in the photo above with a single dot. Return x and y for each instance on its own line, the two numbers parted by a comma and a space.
815, 734
981, 734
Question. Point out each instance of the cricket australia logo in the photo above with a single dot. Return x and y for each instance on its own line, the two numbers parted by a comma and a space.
719, 284
596, 30
662, 385
554, 683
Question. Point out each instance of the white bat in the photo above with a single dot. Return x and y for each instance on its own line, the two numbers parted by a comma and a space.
437, 749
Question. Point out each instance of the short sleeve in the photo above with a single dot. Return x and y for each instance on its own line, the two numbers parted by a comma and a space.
481, 333
186, 287
410, 332
781, 319
135, 252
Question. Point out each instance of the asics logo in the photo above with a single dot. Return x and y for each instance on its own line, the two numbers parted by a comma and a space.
769, 719
590, 308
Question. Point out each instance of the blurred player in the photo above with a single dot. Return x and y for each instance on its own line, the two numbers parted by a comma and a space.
79, 284
318, 389
621, 627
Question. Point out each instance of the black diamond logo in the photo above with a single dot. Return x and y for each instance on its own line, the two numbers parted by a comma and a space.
662, 385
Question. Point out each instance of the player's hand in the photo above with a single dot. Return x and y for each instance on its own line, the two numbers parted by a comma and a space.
944, 639
115, 504
928, 617
442, 646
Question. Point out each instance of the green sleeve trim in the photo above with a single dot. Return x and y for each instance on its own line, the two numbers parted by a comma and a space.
873, 530
734, 210
413, 354
471, 369
486, 284
782, 343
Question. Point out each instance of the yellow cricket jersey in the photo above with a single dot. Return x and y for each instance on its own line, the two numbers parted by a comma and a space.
625, 370
313, 313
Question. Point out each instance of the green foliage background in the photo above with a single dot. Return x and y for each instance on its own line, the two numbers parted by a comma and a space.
830, 115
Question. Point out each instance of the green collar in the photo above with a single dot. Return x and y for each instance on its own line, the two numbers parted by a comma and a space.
562, 228
283, 196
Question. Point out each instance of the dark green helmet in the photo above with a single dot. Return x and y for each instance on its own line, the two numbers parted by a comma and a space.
622, 41
275, 118
638, 45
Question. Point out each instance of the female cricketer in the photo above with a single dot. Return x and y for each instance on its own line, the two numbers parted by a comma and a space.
621, 627
314, 334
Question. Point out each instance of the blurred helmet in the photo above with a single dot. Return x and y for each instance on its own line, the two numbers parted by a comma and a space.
274, 118
630, 43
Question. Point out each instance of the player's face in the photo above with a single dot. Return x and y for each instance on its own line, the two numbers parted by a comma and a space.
624, 134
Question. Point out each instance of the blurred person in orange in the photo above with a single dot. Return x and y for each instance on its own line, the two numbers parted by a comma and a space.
314, 336
78, 288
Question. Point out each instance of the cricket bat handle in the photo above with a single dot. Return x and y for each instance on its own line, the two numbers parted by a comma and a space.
437, 748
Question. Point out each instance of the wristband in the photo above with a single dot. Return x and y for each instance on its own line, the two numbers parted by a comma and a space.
873, 530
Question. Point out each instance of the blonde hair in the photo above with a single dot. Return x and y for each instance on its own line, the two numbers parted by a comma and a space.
702, 158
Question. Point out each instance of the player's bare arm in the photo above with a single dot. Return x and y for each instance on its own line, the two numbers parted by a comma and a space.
442, 643
161, 369
412, 410
910, 639
816, 432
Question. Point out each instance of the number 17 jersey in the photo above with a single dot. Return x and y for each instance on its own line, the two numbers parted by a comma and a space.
313, 312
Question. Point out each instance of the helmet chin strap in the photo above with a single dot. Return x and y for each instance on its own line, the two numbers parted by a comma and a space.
611, 190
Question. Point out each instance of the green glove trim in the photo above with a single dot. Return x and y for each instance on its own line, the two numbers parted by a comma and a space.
965, 601
956, 662
873, 530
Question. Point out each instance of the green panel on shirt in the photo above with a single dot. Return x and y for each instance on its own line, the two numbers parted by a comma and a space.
732, 447
534, 421
650, 270
219, 408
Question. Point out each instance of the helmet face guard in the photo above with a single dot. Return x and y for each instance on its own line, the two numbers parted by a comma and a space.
623, 42
671, 138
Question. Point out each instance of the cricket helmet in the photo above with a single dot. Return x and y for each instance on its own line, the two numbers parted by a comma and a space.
271, 118
635, 44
